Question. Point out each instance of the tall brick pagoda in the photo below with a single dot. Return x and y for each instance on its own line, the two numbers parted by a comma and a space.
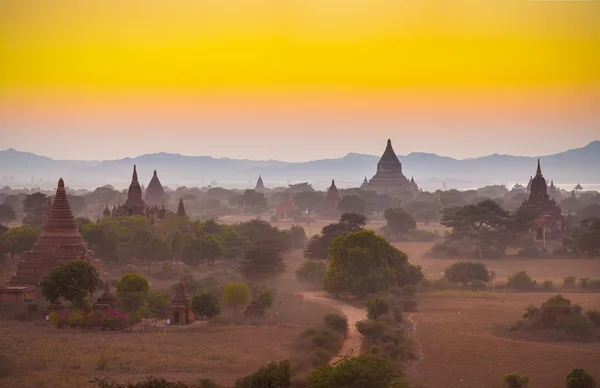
260, 186
135, 204
59, 242
332, 197
155, 193
549, 221
389, 174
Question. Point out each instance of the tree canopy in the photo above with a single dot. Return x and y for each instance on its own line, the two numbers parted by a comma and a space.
72, 281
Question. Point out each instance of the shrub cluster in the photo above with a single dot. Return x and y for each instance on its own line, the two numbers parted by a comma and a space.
112, 320
316, 346
559, 315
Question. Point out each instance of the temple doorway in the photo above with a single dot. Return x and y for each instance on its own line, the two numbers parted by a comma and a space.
176, 318
539, 234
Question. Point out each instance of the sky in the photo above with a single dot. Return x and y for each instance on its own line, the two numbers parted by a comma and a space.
298, 79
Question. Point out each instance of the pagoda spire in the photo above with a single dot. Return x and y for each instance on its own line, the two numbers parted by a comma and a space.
134, 178
181, 209
538, 173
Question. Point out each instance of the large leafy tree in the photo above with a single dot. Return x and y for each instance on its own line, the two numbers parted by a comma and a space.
486, 224
358, 264
34, 206
205, 305
587, 237
318, 245
399, 221
309, 200
263, 260
212, 248
7, 214
132, 289
20, 239
72, 281
352, 204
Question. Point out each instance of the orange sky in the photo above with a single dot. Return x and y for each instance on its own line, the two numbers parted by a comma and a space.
230, 77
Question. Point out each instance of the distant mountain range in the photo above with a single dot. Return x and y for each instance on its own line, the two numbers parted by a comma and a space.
26, 169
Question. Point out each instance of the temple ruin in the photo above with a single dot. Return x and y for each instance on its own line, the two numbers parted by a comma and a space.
389, 176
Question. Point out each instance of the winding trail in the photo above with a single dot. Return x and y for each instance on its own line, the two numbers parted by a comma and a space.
352, 345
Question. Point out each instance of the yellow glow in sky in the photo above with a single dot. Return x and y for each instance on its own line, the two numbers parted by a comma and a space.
195, 45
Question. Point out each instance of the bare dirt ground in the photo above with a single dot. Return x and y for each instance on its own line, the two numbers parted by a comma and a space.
350, 347
462, 342
539, 269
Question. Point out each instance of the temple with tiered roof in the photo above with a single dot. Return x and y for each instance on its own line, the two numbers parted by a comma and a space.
260, 186
179, 309
389, 176
59, 242
549, 222
135, 204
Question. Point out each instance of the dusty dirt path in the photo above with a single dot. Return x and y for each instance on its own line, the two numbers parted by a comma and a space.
350, 347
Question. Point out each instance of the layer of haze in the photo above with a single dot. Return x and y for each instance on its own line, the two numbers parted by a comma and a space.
298, 80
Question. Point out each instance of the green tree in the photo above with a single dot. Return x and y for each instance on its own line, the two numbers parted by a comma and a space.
399, 221
263, 260
21, 239
354, 220
205, 305
265, 299
235, 294
309, 200
7, 214
352, 204
580, 378
72, 281
157, 303
376, 308
515, 380
312, 271
274, 375
34, 206
464, 272
318, 246
355, 372
131, 291
212, 248
358, 264
587, 237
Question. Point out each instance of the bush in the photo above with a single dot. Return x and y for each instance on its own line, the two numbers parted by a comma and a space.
521, 282
337, 323
361, 371
464, 272
529, 252
312, 271
409, 290
206, 383
150, 382
376, 308
371, 330
548, 285
515, 380
580, 378
274, 375
477, 285
265, 299
594, 317
569, 282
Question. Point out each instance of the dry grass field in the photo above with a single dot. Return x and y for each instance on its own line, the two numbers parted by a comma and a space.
465, 342
47, 357
538, 268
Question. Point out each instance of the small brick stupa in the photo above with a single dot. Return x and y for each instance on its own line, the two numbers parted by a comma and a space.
107, 300
59, 242
155, 193
389, 176
179, 310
